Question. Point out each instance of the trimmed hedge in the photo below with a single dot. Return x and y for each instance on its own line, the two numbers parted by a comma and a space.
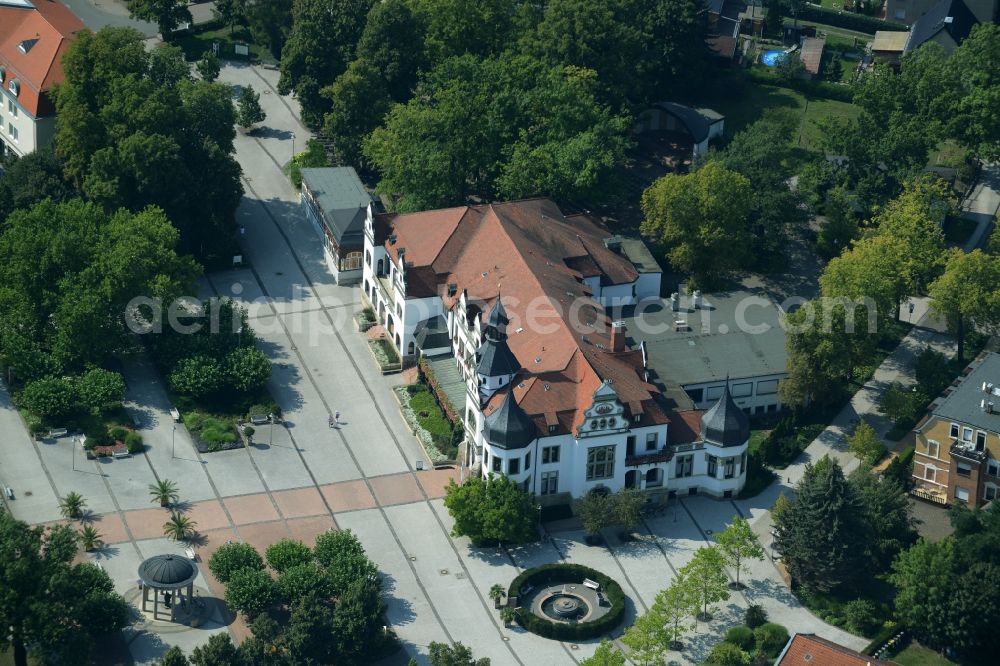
823, 89
847, 20
568, 573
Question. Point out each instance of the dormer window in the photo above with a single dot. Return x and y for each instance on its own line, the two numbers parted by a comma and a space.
636, 418
26, 45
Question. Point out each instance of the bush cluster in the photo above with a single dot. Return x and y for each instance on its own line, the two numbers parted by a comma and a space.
216, 433
58, 397
784, 444
569, 573
384, 352
823, 89
432, 418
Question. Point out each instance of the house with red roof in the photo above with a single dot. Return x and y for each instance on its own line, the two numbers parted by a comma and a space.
556, 398
34, 35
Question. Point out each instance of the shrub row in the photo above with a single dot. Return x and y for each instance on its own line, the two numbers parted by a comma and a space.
823, 89
569, 573
847, 20
883, 637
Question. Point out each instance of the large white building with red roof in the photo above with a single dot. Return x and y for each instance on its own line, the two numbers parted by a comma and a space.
556, 398
34, 35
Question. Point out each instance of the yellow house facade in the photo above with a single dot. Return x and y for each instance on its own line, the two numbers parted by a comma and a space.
957, 455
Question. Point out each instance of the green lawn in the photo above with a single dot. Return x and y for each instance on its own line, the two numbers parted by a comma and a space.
757, 436
947, 154
197, 44
917, 655
757, 99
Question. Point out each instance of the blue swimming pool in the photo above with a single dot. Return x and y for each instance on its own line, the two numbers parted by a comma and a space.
771, 58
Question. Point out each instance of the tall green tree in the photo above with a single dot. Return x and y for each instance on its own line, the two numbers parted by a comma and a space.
605, 655
248, 109
48, 603
344, 558
703, 219
488, 510
322, 42
705, 578
738, 544
973, 117
166, 14
358, 621
359, 101
967, 295
70, 271
888, 513
759, 152
30, 179
311, 634
677, 607
218, 651
872, 269
453, 654
460, 27
392, 44
497, 128
130, 133
826, 339
821, 532
865, 443
841, 226
646, 639
270, 23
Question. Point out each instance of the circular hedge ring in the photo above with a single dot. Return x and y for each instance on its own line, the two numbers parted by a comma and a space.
549, 575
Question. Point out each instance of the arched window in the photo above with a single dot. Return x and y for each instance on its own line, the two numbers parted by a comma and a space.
410, 348
380, 268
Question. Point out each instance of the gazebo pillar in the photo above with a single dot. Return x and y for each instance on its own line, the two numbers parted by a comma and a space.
156, 603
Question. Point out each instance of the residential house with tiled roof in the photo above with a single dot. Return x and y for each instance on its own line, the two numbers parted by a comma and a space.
556, 397
34, 35
957, 449
812, 650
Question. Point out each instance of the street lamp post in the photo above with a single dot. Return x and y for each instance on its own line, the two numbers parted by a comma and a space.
72, 451
270, 430
173, 438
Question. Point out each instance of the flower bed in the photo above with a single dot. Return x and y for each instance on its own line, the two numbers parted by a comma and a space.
385, 355
548, 574
428, 377
365, 319
434, 445
210, 433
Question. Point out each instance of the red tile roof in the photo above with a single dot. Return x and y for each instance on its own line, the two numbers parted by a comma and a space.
812, 54
53, 25
810, 650
536, 258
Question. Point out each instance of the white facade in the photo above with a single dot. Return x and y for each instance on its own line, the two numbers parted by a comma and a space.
22, 133
755, 395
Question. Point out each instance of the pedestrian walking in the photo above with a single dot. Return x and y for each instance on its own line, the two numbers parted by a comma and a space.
336, 418
329, 421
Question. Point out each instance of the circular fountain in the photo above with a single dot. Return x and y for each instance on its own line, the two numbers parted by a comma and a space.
565, 607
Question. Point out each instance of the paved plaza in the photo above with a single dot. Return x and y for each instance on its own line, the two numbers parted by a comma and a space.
303, 478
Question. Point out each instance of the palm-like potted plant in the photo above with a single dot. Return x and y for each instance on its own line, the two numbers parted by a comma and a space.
508, 615
179, 527
90, 538
72, 505
164, 492
497, 593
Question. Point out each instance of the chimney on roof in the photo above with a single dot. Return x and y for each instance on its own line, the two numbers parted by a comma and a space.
949, 19
618, 336
392, 239
452, 288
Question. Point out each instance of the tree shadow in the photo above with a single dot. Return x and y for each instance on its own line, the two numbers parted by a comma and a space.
401, 608
266, 132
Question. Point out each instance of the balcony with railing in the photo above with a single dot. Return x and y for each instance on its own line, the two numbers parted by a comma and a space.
634, 459
930, 493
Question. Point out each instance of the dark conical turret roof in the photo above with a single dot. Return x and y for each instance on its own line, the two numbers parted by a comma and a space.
725, 423
509, 427
496, 359
498, 316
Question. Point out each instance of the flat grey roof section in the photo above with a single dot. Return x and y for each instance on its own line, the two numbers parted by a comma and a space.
640, 256
963, 403
716, 344
343, 199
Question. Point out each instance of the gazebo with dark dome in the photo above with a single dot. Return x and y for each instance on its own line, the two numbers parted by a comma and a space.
167, 573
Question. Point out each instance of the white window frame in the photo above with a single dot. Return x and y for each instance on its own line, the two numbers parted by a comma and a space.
550, 454
966, 434
980, 435
989, 492
930, 473
600, 462
953, 431
993, 468
959, 492
933, 444
652, 441
550, 483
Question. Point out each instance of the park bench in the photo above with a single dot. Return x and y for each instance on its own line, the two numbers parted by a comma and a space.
592, 584
56, 433
122, 454
175, 414
191, 555
259, 419
10, 492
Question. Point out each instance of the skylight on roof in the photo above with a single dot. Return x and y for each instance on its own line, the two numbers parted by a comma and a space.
27, 44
